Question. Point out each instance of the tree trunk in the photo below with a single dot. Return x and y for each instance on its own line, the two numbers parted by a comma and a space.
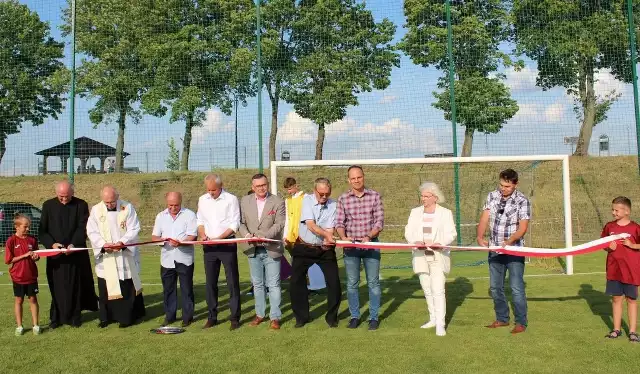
468, 142
275, 103
320, 142
588, 100
186, 143
3, 146
122, 123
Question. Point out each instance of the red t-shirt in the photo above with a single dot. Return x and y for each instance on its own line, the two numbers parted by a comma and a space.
24, 271
623, 264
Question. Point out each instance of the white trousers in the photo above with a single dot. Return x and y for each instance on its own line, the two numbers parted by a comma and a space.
432, 283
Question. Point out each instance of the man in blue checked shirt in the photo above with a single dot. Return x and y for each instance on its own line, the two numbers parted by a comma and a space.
506, 213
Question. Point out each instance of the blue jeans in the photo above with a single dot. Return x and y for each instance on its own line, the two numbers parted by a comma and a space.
371, 260
498, 266
266, 271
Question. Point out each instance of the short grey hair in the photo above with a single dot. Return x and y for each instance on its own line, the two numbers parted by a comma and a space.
434, 189
322, 180
61, 184
213, 178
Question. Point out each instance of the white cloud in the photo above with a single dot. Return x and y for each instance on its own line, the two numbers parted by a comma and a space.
388, 99
211, 124
297, 128
523, 80
559, 112
606, 82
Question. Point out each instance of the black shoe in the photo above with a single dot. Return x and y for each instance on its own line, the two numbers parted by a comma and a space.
54, 325
167, 322
332, 324
353, 323
234, 325
210, 323
124, 325
373, 324
76, 323
103, 324
186, 323
300, 324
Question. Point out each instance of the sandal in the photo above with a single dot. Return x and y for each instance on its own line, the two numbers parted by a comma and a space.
614, 334
633, 337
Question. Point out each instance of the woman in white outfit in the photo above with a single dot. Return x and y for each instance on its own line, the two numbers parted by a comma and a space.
432, 224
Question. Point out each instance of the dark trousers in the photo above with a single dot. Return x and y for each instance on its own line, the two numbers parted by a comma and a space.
304, 256
227, 255
169, 291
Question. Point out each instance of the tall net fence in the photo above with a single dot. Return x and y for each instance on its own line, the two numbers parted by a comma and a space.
170, 85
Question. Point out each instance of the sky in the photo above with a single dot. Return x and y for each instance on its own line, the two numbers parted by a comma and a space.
399, 121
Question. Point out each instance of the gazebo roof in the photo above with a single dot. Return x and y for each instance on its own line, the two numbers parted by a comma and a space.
84, 147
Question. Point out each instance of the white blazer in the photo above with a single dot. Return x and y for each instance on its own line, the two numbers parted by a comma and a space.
444, 233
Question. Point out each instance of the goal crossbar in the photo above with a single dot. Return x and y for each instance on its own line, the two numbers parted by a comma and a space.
566, 181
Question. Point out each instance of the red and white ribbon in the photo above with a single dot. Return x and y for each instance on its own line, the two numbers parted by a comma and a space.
54, 252
585, 248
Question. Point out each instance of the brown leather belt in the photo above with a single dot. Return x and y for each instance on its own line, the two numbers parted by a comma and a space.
302, 242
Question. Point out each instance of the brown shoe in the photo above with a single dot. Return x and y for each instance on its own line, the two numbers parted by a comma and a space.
234, 325
209, 324
256, 321
497, 324
274, 325
518, 329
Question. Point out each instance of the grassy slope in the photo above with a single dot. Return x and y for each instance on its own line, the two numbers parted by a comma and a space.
568, 315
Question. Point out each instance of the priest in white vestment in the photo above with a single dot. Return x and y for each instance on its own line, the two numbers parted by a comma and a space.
113, 223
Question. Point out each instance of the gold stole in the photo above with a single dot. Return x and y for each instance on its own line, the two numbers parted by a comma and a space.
294, 212
109, 259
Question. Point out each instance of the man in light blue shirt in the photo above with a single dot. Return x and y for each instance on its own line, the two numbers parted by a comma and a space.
315, 245
176, 224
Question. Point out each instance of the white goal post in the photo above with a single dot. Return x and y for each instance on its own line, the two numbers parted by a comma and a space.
566, 182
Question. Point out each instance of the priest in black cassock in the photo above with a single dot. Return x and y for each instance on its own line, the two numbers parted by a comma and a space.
63, 225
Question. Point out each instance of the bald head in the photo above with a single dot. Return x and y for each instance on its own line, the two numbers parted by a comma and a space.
109, 196
64, 191
174, 202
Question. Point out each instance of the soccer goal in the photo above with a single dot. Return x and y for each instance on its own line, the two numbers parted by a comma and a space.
544, 179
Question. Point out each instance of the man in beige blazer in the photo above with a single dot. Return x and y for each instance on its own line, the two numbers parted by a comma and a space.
263, 215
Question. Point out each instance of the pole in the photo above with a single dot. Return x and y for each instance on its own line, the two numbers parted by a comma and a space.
634, 72
236, 110
259, 65
72, 94
146, 160
452, 98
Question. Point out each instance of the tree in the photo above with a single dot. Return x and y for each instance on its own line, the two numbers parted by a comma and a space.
30, 71
479, 26
108, 33
340, 52
173, 159
201, 54
278, 56
572, 40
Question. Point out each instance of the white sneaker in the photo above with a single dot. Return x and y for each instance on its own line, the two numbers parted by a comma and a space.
36, 330
429, 325
19, 330
440, 331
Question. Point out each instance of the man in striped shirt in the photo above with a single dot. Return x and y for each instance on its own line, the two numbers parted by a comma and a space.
360, 217
506, 213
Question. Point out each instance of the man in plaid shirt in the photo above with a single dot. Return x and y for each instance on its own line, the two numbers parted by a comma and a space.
360, 217
506, 212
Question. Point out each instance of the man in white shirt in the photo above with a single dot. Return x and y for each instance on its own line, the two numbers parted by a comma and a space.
174, 225
112, 224
219, 218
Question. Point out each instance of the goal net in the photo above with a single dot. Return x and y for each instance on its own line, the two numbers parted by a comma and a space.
543, 179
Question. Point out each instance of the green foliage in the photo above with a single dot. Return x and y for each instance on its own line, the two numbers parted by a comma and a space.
173, 158
571, 40
340, 52
108, 33
202, 56
483, 102
31, 72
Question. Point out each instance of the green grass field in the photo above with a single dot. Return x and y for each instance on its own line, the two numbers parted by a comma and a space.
568, 315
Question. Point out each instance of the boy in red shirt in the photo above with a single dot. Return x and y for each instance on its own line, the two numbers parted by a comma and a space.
623, 267
21, 259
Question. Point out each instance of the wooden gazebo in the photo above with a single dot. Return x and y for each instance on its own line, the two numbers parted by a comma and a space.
85, 149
